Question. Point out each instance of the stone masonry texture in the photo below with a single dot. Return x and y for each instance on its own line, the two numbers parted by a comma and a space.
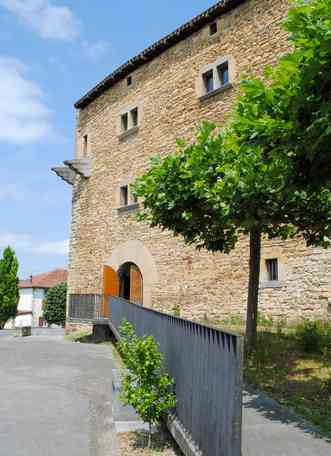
202, 284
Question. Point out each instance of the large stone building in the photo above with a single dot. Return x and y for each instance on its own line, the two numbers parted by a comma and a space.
141, 109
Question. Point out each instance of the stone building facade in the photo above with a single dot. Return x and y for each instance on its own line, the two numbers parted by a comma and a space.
140, 110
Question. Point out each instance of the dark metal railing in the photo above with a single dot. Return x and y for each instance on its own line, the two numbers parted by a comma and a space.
85, 307
207, 367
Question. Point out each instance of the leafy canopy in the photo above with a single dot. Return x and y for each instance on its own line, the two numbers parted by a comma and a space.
289, 113
55, 304
9, 293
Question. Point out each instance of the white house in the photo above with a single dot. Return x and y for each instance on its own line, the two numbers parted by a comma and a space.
32, 294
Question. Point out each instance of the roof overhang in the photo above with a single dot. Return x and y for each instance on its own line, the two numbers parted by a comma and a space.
157, 48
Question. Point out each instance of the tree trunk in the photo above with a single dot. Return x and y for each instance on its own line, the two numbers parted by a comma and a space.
253, 288
149, 435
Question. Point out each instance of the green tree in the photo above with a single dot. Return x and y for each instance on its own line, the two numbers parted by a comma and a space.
9, 294
255, 177
297, 96
55, 304
146, 386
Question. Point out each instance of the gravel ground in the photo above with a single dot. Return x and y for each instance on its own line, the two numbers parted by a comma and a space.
134, 444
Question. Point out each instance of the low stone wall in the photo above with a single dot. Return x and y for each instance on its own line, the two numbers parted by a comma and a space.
72, 327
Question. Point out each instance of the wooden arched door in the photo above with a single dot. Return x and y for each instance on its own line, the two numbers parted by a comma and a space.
131, 283
111, 287
136, 285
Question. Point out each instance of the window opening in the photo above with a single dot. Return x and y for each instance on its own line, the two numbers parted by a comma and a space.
125, 121
124, 196
223, 72
85, 143
134, 117
208, 79
213, 29
272, 269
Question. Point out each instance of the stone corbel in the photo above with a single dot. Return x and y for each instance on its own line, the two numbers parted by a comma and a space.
81, 167
65, 173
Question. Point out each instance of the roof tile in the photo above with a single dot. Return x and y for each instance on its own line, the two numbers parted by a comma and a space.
45, 280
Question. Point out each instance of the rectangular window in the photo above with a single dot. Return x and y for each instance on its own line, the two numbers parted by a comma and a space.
129, 80
208, 80
134, 117
85, 143
213, 29
272, 269
124, 196
223, 73
125, 122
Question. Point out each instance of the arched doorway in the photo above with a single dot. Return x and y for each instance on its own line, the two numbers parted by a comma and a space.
130, 283
137, 253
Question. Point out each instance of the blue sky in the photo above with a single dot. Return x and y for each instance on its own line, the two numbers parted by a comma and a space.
51, 53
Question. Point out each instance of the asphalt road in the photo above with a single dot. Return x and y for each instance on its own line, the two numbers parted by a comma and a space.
55, 398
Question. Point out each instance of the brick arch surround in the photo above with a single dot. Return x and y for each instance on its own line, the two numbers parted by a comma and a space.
136, 252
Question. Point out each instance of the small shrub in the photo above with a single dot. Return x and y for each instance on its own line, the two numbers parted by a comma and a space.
176, 310
264, 320
326, 348
55, 304
235, 320
281, 326
310, 336
146, 387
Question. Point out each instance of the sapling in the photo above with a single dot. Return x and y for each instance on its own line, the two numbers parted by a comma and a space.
145, 385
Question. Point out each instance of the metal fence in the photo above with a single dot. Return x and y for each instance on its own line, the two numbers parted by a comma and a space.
207, 367
85, 307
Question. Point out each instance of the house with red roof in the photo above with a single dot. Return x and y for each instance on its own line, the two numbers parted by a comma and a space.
32, 293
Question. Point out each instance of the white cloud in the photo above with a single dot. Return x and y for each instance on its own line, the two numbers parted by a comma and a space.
48, 20
95, 51
53, 248
8, 193
24, 117
26, 244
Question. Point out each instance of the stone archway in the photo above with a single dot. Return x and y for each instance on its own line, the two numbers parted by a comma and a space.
137, 253
131, 283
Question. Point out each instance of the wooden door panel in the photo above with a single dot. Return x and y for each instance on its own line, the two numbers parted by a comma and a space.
111, 287
136, 285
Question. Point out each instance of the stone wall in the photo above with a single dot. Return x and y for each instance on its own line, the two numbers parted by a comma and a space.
166, 90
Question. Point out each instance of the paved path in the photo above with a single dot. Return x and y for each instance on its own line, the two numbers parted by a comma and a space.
55, 398
268, 430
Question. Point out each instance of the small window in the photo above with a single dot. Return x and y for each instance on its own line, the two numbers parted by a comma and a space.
213, 29
124, 196
223, 73
129, 81
125, 121
134, 117
272, 269
208, 80
85, 143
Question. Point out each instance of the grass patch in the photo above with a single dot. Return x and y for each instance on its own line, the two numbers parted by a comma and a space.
294, 378
135, 444
292, 364
83, 336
